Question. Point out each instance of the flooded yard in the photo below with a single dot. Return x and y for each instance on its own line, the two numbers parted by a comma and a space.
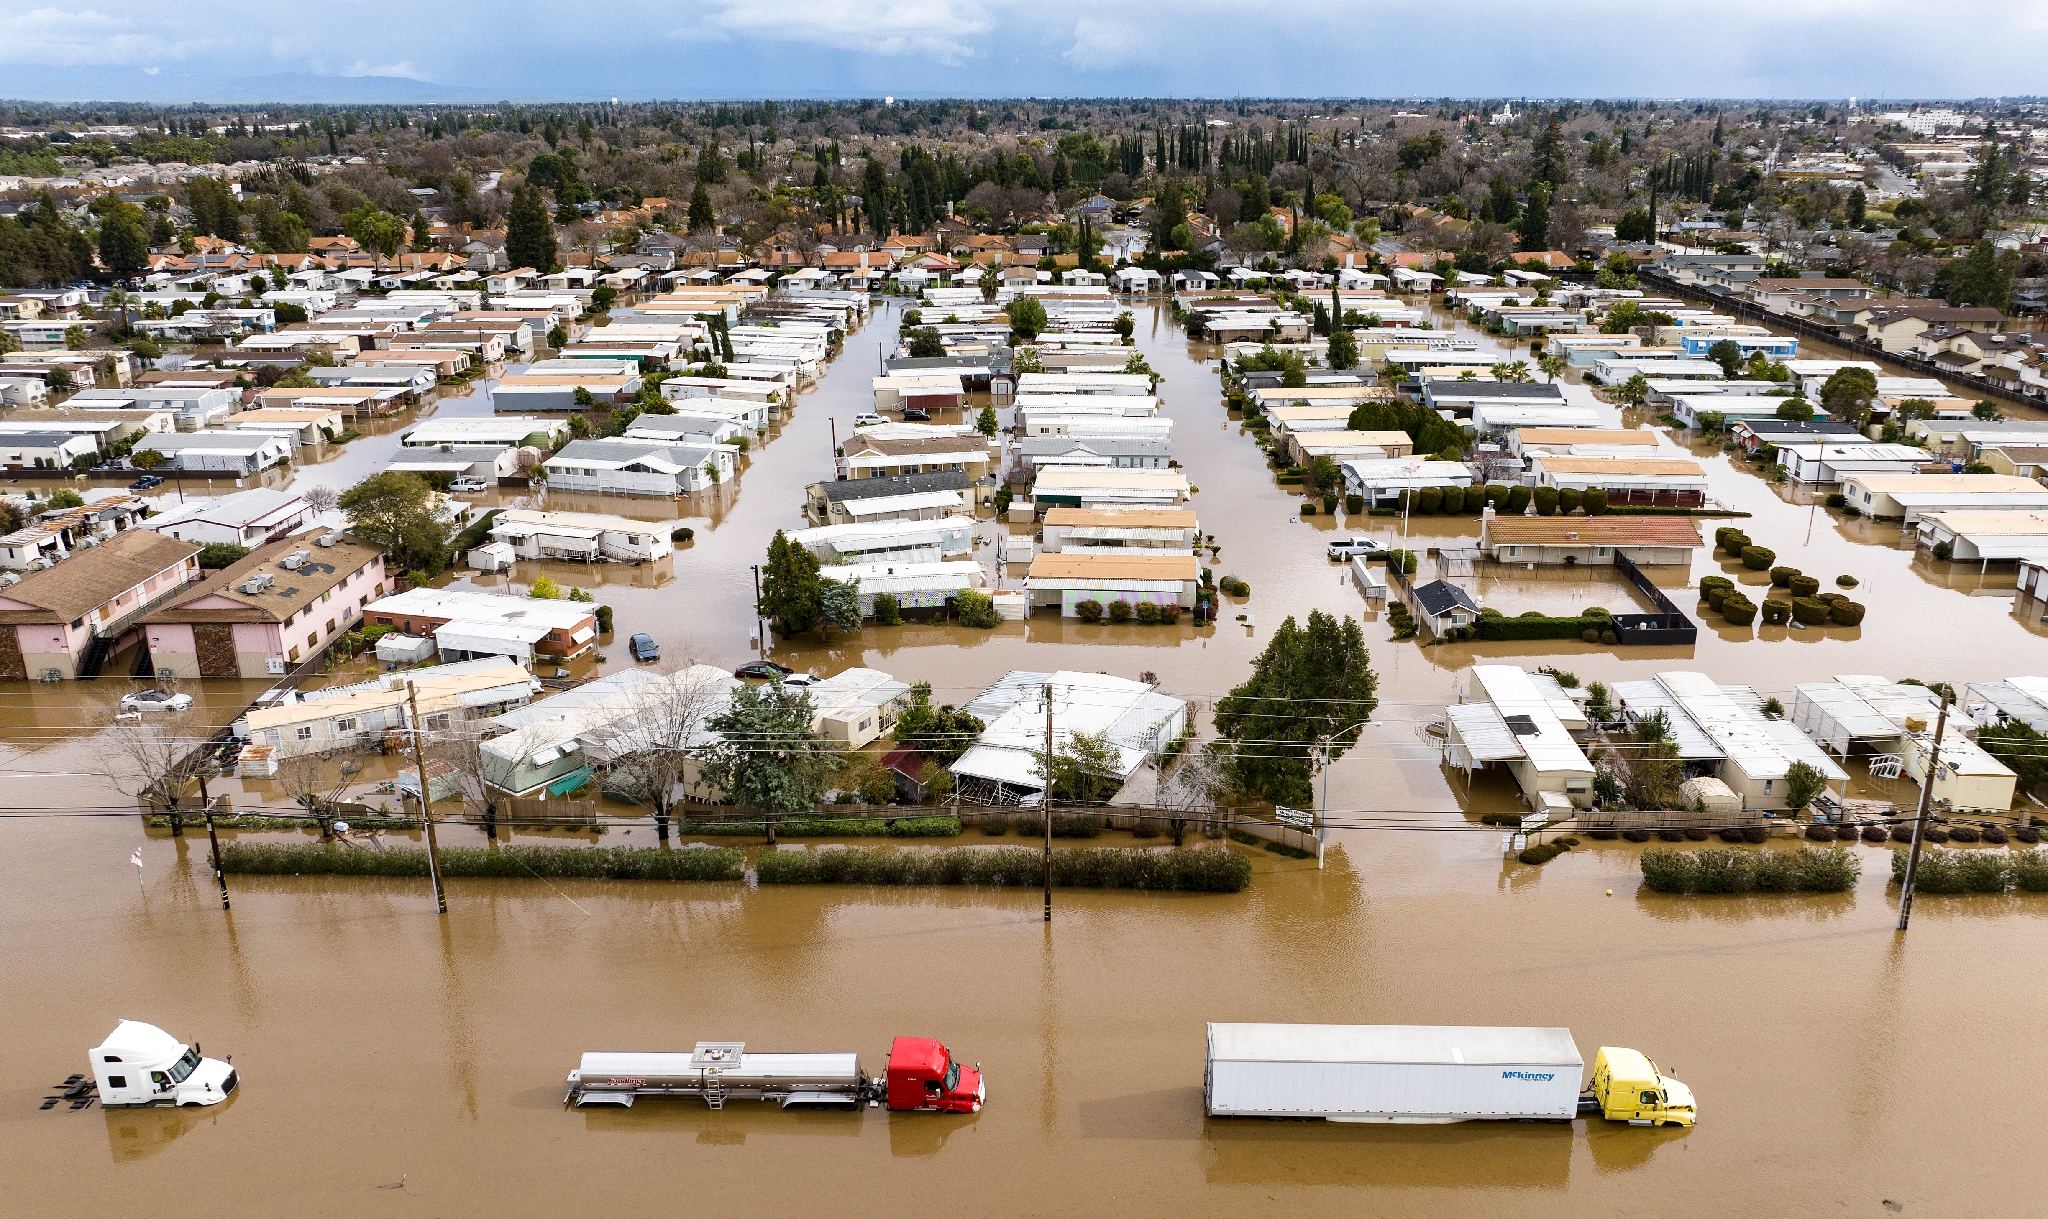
395, 1062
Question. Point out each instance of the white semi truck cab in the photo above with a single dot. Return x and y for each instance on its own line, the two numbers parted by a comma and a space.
140, 1064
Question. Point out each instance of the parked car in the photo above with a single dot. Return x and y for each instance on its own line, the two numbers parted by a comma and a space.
644, 648
867, 419
912, 414
799, 679
146, 482
761, 670
155, 700
1345, 548
463, 486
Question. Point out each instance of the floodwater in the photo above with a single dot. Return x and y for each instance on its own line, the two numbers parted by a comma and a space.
396, 1062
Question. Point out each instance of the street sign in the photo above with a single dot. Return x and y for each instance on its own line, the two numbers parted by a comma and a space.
1299, 818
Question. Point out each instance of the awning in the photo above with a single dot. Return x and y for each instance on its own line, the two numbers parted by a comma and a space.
570, 782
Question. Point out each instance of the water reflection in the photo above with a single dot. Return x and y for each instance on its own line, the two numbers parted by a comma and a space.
134, 1135
1515, 1155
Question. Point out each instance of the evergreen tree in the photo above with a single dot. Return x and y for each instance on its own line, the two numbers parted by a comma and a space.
766, 757
1551, 165
530, 231
702, 218
874, 195
1536, 220
1984, 277
792, 592
1311, 684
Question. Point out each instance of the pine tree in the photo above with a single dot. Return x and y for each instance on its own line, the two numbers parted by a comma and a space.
529, 231
792, 592
702, 218
1536, 219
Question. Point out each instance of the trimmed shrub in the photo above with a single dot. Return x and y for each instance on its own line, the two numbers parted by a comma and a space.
1671, 835
1725, 532
1308, 508
1234, 587
2027, 834
1965, 833
1810, 610
1329, 504
1090, 611
1609, 638
1354, 504
1695, 833
1820, 833
1429, 501
551, 862
1936, 834
1781, 577
1596, 501
1119, 611
1710, 583
1735, 543
1496, 493
1902, 833
1846, 613
1569, 499
1546, 501
1543, 854
1607, 835
1757, 558
1518, 500
1833, 870
1847, 833
976, 610
1731, 833
1198, 869
1838, 500
1755, 834
1846, 581
1803, 586
1996, 836
1955, 871
2030, 870
1776, 612
1738, 609
1874, 833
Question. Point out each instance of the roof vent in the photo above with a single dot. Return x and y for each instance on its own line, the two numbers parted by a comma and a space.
327, 539
295, 560
258, 582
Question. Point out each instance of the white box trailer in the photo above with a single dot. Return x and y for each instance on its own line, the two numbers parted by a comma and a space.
1411, 1074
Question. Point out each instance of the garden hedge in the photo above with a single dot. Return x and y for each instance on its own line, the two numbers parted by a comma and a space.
1974, 871
1781, 577
552, 862
1803, 586
1198, 869
1738, 609
1845, 613
1757, 558
1716, 870
1542, 626
1776, 612
1810, 610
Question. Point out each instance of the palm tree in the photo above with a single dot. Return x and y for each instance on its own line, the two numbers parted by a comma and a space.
118, 298
1551, 366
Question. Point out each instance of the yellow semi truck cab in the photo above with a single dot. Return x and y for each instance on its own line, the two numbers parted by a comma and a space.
1628, 1088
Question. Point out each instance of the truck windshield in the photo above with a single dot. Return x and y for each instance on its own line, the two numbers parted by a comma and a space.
952, 1076
184, 1066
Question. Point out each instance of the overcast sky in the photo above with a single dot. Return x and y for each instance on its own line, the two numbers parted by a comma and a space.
382, 50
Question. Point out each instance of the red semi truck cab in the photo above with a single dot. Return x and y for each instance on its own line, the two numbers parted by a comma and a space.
923, 1075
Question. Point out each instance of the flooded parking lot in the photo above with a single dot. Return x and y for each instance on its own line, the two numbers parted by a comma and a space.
382, 1046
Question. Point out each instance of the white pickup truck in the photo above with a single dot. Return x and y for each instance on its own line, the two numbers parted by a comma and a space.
1349, 548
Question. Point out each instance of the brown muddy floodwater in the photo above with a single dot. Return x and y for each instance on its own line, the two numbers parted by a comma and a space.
1839, 1066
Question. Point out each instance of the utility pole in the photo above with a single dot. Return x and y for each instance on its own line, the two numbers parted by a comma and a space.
219, 877
1048, 801
419, 757
1920, 822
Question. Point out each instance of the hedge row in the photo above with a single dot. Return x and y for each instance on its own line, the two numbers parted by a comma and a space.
553, 862
832, 827
1543, 626
1721, 871
1198, 870
1974, 871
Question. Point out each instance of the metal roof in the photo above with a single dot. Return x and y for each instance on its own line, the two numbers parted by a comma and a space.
1479, 732
1392, 1043
2024, 699
1512, 693
1643, 699
1762, 748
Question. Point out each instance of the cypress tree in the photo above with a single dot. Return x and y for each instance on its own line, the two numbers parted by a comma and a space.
529, 231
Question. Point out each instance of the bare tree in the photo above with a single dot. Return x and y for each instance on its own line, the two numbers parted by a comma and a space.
462, 748
1195, 784
653, 752
154, 762
321, 499
316, 781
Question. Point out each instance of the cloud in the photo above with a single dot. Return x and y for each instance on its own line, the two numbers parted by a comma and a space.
1112, 43
946, 30
402, 68
56, 37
